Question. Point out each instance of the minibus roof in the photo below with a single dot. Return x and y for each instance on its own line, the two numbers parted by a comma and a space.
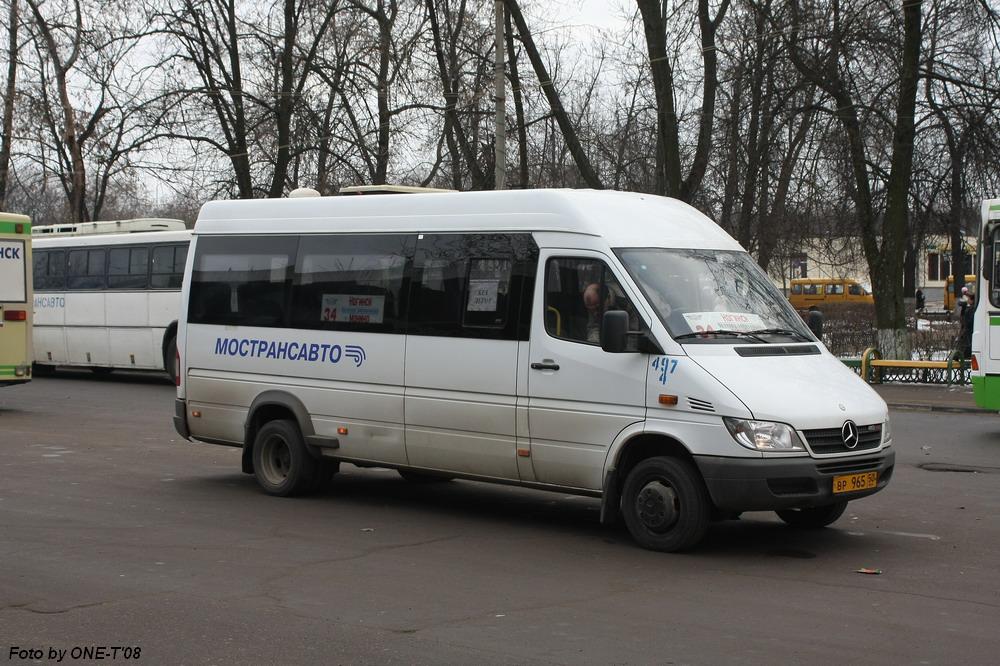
623, 219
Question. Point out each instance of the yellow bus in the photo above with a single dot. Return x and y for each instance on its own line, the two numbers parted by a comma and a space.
825, 291
15, 299
949, 289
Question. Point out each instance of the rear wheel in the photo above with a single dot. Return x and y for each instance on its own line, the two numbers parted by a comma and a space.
41, 370
170, 358
665, 504
813, 517
281, 463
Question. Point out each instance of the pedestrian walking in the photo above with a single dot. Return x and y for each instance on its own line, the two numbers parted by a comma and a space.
814, 320
968, 314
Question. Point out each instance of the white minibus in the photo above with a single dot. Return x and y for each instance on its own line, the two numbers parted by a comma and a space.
614, 345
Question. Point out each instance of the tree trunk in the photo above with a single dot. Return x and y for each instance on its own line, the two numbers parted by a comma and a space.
555, 103
284, 104
8, 103
668, 160
522, 130
890, 314
458, 141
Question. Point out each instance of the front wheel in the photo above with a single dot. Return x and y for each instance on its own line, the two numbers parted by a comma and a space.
814, 517
665, 504
281, 463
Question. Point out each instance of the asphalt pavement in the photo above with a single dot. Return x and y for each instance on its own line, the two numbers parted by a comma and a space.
114, 532
930, 397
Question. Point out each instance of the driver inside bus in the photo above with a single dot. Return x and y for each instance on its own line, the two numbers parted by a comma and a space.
595, 307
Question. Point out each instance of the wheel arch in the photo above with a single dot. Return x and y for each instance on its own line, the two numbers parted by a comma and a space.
169, 334
633, 445
269, 406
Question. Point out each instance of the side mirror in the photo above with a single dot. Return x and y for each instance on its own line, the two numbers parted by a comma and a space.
614, 331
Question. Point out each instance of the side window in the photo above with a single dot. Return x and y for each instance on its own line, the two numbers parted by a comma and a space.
168, 266
351, 282
796, 289
811, 289
39, 268
835, 289
241, 280
578, 291
854, 290
49, 269
128, 268
85, 269
472, 285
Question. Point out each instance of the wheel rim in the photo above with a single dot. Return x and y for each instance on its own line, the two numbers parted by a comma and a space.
276, 460
657, 506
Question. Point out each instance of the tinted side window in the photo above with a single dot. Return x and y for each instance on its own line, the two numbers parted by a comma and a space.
472, 285
854, 289
128, 268
351, 282
796, 288
242, 280
168, 266
835, 289
578, 291
85, 269
39, 268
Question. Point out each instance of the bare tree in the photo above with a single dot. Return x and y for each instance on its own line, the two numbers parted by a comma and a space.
8, 101
827, 58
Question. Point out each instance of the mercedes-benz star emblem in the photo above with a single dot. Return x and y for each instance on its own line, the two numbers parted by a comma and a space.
849, 433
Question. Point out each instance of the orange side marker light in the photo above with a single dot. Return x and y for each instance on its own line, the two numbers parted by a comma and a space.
667, 399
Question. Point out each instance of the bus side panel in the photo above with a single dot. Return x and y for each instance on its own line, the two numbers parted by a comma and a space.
460, 400
130, 338
50, 337
86, 332
344, 380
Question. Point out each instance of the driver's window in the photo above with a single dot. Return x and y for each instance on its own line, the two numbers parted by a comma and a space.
578, 291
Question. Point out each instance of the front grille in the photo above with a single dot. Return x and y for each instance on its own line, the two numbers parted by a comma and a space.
851, 466
830, 440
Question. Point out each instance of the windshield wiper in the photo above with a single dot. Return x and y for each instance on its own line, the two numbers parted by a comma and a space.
780, 331
720, 331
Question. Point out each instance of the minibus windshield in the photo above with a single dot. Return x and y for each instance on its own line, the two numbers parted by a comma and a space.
713, 296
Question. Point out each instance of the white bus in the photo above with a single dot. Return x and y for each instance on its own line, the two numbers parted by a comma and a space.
986, 318
15, 299
615, 345
108, 301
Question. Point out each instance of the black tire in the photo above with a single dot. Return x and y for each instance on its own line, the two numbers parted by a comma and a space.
665, 504
813, 517
281, 463
41, 370
423, 477
170, 358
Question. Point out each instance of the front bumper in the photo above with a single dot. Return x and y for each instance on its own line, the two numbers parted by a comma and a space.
766, 484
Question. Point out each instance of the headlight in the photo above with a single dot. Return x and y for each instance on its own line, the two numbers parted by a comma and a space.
764, 435
886, 433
